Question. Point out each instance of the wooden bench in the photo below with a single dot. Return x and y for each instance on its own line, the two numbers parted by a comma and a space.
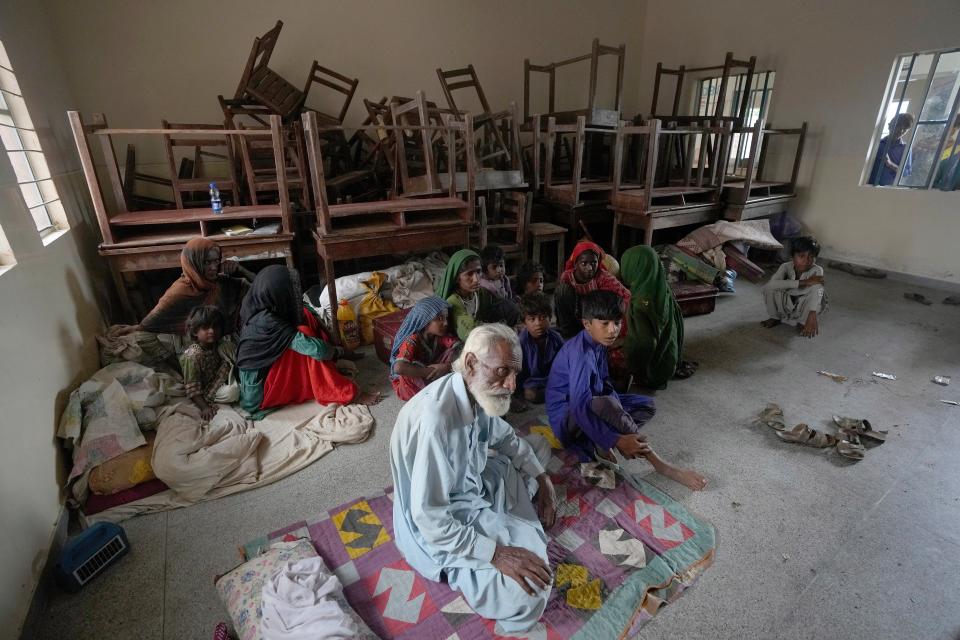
751, 196
648, 196
400, 225
146, 240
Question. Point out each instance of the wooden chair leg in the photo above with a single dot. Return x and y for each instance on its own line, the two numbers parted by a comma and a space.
125, 307
648, 234
536, 250
331, 279
561, 256
615, 237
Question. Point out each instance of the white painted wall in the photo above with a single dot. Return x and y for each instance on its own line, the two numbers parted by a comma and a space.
832, 60
49, 313
139, 62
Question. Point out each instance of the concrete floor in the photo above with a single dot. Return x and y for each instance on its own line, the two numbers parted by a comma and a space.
809, 546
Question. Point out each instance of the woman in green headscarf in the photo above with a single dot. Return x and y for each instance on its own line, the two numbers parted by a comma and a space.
471, 304
654, 339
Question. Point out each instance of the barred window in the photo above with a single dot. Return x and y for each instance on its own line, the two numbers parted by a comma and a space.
915, 143
20, 141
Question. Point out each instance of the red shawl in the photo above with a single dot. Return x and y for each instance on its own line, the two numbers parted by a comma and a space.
602, 281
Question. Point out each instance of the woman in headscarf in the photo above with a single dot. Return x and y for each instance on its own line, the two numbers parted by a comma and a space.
422, 349
206, 279
654, 341
284, 356
583, 272
470, 303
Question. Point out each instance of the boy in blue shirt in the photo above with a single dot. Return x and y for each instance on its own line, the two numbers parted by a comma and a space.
585, 411
540, 343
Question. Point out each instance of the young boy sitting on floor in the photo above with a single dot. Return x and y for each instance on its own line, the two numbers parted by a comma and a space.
540, 344
422, 348
494, 278
795, 294
207, 363
586, 413
530, 278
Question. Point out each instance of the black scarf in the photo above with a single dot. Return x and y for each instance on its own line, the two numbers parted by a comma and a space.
269, 317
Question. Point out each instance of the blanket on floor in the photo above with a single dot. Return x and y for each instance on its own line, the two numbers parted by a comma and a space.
617, 555
202, 463
105, 416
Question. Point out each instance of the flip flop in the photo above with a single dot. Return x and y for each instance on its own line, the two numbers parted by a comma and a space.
951, 300
860, 427
851, 447
802, 434
685, 369
918, 297
772, 417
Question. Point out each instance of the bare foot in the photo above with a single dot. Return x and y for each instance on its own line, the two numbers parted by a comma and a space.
369, 398
810, 327
769, 323
687, 477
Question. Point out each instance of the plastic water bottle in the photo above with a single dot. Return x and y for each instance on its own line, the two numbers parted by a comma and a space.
215, 203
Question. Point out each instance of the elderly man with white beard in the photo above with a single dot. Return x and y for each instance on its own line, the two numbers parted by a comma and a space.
469, 494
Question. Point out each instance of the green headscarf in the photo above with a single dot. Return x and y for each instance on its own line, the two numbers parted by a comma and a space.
654, 323
448, 284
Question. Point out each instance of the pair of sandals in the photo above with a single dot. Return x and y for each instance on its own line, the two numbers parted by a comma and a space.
848, 441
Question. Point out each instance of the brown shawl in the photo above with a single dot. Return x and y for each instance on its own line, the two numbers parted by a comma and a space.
191, 289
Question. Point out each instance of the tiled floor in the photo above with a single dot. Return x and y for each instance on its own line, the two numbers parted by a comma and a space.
809, 546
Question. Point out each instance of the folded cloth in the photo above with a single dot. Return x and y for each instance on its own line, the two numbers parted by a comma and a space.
304, 601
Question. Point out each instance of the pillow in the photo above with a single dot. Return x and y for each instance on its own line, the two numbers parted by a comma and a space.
241, 589
125, 471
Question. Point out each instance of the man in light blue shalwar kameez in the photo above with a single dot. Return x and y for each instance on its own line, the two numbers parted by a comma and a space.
469, 494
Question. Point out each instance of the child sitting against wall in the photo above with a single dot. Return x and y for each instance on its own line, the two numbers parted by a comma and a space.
540, 343
494, 278
208, 362
586, 413
422, 349
795, 294
530, 278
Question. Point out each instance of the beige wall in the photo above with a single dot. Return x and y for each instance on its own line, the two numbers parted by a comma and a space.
49, 314
832, 61
139, 62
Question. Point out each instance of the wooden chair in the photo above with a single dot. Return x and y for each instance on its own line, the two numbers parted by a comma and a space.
681, 73
259, 84
504, 219
544, 232
131, 177
648, 201
596, 115
191, 183
320, 75
262, 179
492, 140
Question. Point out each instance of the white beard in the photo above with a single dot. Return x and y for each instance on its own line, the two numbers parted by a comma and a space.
493, 405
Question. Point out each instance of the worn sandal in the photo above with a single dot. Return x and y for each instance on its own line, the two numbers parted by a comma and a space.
772, 417
860, 427
802, 434
685, 369
851, 447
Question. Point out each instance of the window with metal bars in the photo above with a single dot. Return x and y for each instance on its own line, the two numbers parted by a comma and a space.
915, 144
22, 144
759, 92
